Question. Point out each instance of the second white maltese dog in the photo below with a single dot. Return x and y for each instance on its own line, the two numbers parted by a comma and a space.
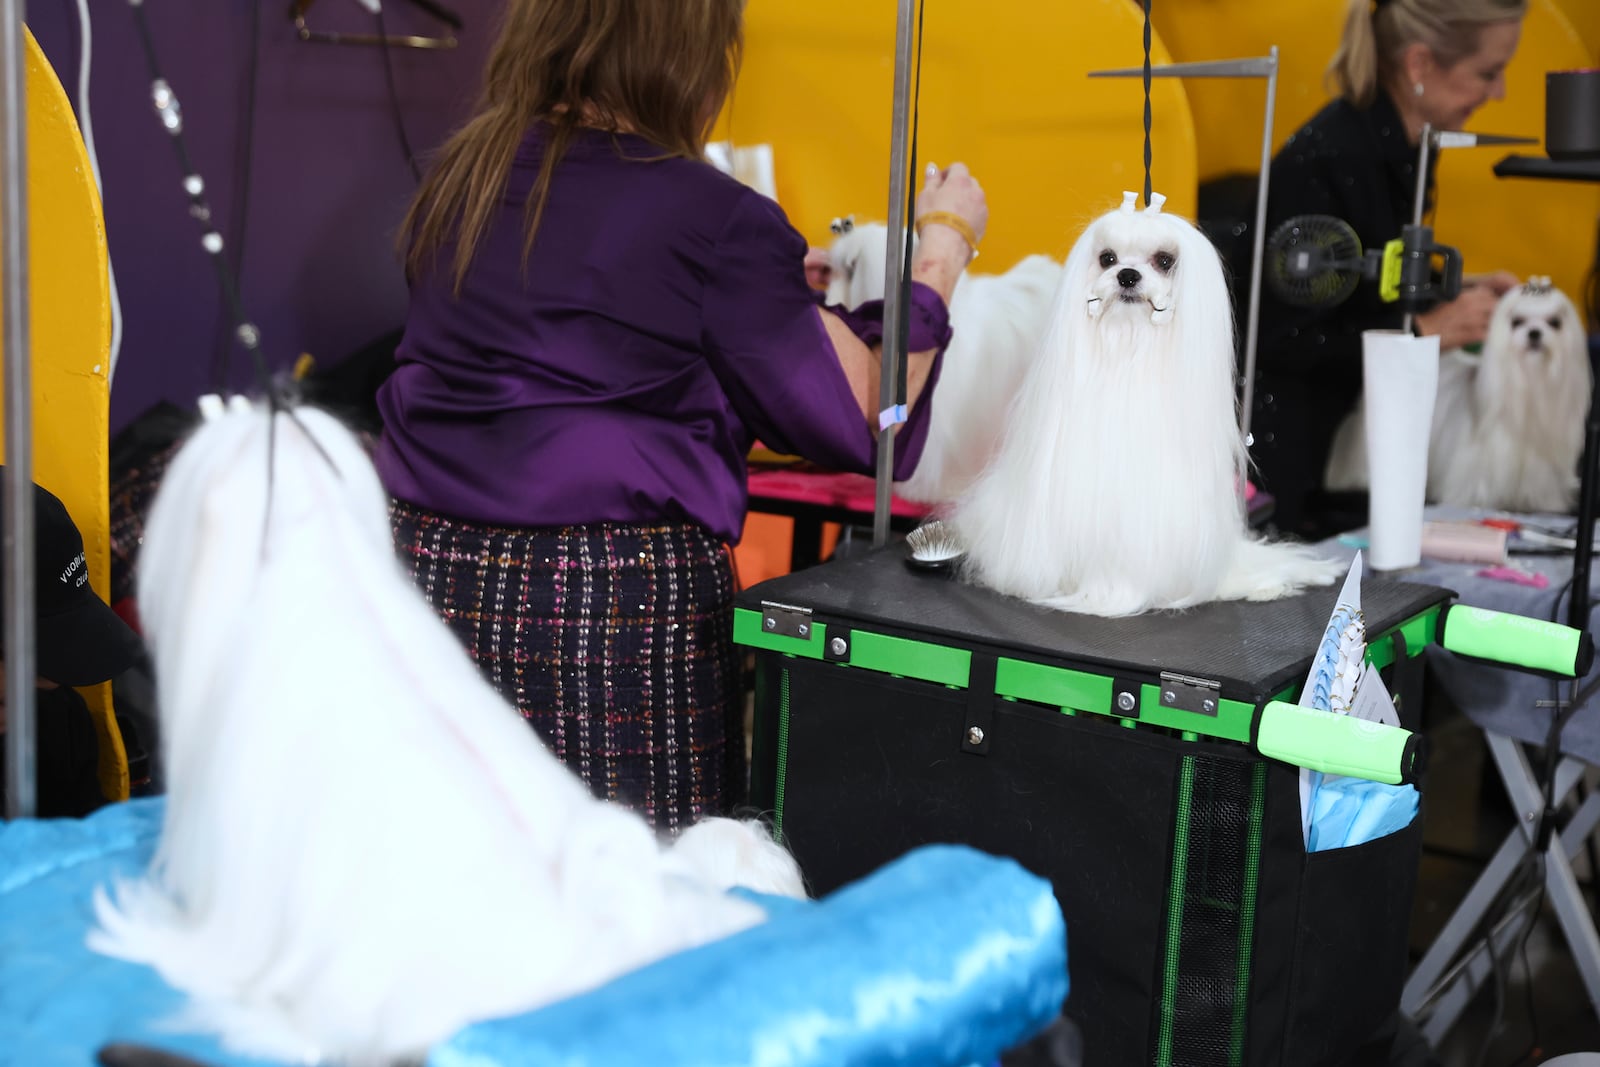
364, 847
997, 321
1119, 485
1508, 424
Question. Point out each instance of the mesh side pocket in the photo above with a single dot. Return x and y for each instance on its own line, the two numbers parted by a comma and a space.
1205, 965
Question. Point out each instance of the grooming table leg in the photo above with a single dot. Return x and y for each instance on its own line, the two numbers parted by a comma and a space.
805, 546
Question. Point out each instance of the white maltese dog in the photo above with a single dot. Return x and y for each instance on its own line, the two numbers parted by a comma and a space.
364, 847
997, 321
1508, 424
1118, 487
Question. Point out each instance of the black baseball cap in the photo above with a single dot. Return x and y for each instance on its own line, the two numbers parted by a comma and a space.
79, 640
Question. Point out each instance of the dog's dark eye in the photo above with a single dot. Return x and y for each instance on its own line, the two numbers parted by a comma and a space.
1164, 261
1555, 324
1108, 258
1517, 321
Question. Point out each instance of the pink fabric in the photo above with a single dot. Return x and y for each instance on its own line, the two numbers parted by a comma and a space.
855, 492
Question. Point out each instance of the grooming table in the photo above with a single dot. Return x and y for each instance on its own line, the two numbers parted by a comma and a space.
896, 708
812, 497
946, 958
1513, 709
1125, 760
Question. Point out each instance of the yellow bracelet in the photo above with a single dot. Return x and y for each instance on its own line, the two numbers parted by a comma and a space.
955, 222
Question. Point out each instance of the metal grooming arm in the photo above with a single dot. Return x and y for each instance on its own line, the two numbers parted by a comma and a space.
1255, 67
21, 786
900, 127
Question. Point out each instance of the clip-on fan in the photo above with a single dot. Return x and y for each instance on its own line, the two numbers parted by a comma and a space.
1317, 261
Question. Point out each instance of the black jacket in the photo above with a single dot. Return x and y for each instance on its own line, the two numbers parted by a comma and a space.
67, 757
1356, 165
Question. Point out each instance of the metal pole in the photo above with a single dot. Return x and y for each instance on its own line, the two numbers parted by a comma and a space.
1254, 67
1252, 327
1417, 202
900, 129
18, 489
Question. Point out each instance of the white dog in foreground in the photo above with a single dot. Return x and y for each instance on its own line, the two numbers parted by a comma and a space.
365, 848
997, 322
1119, 485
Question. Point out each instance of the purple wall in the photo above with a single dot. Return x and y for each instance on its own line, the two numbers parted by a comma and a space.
329, 181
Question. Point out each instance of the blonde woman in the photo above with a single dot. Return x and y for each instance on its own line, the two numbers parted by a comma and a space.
1400, 64
600, 323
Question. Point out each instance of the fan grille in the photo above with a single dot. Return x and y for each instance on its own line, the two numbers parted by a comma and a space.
1313, 261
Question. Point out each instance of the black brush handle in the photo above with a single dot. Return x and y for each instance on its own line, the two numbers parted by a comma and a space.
440, 12
125, 1054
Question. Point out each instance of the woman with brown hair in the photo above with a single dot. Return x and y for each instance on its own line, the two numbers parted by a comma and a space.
600, 324
1400, 64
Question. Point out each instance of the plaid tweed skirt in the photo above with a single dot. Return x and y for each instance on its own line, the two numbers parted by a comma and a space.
614, 641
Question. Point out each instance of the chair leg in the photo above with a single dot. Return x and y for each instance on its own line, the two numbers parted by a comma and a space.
1437, 992
1577, 923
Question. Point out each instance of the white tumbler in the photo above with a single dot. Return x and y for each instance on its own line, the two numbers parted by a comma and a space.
1402, 379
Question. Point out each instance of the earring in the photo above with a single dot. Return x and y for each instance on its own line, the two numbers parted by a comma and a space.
1416, 87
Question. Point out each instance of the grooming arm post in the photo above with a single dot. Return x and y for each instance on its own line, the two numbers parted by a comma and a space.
1418, 200
1252, 327
893, 271
19, 547
1583, 548
1254, 67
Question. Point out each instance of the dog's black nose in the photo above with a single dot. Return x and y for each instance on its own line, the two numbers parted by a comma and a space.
1127, 277
1534, 336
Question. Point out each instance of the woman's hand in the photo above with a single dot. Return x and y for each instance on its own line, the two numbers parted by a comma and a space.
956, 192
942, 254
1463, 321
943, 251
819, 268
1501, 281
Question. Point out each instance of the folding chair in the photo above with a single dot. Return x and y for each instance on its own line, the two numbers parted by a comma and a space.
1455, 967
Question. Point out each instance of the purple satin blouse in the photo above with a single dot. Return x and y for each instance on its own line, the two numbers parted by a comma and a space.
661, 324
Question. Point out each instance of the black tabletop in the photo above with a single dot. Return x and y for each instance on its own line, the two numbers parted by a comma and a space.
1252, 649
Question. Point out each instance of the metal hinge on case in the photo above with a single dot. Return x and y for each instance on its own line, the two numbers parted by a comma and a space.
785, 620
1199, 695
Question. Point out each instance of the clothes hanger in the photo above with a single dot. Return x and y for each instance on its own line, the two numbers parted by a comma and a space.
298, 9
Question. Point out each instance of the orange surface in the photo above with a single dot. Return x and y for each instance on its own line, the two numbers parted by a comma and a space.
764, 551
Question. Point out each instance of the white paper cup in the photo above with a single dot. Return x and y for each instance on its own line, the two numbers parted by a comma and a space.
1401, 380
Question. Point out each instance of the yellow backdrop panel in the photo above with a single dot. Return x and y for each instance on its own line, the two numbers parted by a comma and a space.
1527, 227
71, 326
1585, 18
1052, 147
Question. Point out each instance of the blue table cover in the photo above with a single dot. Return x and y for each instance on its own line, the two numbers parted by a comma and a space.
944, 957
